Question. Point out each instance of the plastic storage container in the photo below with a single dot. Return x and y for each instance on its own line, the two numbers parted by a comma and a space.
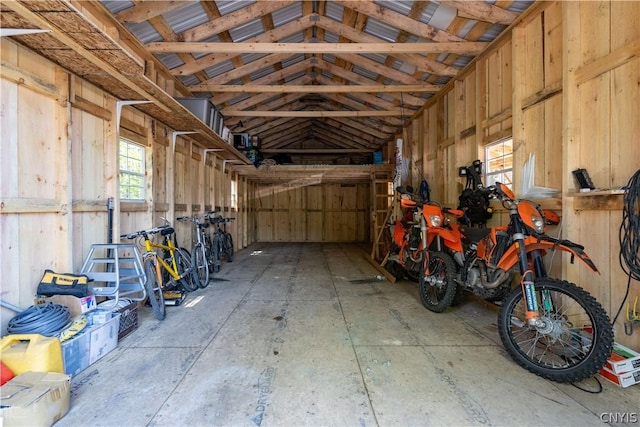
31, 352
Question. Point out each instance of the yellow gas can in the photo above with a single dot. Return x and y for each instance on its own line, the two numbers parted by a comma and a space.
31, 352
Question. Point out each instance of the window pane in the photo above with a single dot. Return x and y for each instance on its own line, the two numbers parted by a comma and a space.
499, 162
132, 170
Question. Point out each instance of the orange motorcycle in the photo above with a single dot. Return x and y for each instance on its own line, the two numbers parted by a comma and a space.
423, 245
549, 326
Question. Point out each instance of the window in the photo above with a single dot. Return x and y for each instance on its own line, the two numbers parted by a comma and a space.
234, 193
132, 171
499, 163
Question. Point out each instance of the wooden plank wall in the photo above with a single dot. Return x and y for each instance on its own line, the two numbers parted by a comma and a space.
312, 213
564, 84
59, 166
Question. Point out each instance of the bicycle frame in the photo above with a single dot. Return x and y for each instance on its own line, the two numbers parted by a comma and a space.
150, 246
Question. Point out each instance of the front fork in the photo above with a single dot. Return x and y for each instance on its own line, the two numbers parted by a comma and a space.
527, 276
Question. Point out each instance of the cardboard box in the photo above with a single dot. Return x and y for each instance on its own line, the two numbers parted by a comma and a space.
104, 338
35, 399
623, 359
624, 379
77, 306
98, 338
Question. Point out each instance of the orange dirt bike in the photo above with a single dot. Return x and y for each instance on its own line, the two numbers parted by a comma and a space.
549, 326
426, 225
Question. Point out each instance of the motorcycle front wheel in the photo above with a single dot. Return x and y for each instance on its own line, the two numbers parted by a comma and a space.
572, 342
438, 287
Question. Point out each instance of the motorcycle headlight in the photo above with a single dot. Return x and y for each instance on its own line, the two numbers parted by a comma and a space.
538, 223
435, 220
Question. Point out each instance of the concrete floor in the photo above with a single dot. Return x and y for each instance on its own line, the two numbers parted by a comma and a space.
305, 335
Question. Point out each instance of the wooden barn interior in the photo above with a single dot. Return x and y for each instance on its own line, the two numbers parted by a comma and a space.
314, 110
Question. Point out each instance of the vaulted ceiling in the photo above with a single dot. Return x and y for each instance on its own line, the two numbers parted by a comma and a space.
320, 82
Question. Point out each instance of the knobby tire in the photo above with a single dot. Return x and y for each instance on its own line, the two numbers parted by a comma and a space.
577, 345
437, 297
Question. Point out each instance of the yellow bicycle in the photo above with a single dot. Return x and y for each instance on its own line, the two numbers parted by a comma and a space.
172, 270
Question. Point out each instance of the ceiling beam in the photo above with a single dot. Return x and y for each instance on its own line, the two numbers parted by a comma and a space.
234, 19
461, 48
398, 20
211, 60
317, 150
419, 61
371, 113
315, 88
147, 10
482, 11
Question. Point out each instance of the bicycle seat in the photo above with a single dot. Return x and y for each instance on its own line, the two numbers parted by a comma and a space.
167, 231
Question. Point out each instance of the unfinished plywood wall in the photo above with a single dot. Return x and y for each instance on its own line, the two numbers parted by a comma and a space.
564, 85
59, 167
312, 213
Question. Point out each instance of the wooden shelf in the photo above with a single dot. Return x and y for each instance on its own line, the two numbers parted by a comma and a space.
597, 199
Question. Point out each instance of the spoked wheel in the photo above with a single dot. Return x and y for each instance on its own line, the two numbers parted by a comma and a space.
186, 270
201, 265
216, 246
437, 287
572, 341
210, 255
154, 291
228, 243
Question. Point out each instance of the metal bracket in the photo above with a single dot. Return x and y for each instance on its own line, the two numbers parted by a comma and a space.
224, 164
175, 133
207, 150
120, 104
20, 31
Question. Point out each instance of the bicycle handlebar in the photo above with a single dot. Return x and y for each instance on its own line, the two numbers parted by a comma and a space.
144, 233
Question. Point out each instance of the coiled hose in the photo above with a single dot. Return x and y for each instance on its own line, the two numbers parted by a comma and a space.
48, 319
629, 234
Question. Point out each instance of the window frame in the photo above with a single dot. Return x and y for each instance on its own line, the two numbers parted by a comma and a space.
501, 172
130, 172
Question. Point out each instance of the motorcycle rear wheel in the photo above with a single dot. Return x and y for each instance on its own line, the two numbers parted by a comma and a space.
577, 342
438, 288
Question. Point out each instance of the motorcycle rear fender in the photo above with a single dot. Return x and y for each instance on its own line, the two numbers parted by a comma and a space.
451, 240
510, 257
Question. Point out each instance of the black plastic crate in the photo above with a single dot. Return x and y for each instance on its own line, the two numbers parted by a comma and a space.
128, 319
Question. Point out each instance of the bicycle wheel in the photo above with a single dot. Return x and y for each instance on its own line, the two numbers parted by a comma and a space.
154, 290
185, 270
217, 245
201, 265
208, 250
228, 244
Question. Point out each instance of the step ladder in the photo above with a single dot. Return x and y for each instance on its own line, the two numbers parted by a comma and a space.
383, 201
116, 271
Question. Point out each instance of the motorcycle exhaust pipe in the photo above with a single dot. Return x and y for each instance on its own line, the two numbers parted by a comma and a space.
495, 283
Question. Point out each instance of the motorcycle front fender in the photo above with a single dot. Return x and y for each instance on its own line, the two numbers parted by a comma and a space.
451, 239
546, 243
